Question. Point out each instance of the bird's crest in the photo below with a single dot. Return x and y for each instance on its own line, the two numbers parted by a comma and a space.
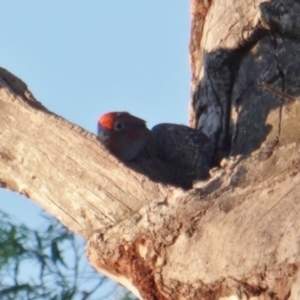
108, 120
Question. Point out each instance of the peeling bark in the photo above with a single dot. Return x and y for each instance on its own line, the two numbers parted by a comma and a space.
235, 236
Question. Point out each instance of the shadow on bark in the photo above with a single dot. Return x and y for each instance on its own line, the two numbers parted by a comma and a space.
231, 105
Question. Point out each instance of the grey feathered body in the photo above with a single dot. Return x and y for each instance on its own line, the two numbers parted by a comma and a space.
174, 154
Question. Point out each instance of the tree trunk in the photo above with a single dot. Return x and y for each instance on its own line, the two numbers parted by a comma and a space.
235, 236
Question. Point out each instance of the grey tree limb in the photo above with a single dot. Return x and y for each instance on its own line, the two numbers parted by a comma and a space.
235, 235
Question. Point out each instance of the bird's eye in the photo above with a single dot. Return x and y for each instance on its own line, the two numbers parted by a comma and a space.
119, 126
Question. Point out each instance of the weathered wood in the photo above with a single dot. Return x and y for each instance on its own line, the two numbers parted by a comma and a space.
238, 235
235, 236
62, 167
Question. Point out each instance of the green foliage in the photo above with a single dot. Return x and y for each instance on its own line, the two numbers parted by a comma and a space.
44, 264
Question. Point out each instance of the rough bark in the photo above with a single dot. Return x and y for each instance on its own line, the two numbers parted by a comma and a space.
44, 157
236, 236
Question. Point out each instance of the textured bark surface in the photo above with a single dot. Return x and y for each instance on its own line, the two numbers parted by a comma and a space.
43, 157
236, 236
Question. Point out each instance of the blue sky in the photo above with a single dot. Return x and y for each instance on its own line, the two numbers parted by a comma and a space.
84, 58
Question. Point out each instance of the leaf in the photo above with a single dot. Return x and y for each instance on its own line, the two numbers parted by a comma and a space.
56, 253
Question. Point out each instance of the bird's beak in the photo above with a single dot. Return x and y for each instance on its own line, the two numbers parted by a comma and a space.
102, 134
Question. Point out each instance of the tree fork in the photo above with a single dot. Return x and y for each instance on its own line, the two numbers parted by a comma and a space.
236, 234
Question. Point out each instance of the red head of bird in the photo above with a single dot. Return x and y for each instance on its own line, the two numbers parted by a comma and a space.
122, 134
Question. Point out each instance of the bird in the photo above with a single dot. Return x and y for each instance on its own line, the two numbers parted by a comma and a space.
171, 154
